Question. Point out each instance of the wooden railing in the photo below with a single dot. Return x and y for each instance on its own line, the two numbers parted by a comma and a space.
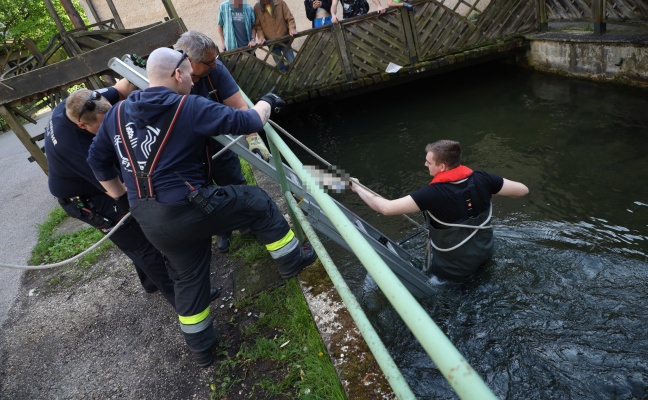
581, 10
356, 52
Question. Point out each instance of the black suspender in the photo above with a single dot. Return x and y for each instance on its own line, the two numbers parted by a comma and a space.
143, 176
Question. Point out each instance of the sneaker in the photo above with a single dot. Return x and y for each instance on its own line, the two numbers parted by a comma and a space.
302, 258
203, 358
223, 243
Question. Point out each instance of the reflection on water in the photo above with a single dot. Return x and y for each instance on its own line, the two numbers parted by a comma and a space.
561, 311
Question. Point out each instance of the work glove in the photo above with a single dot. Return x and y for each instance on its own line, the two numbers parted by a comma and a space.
122, 203
276, 102
256, 145
138, 61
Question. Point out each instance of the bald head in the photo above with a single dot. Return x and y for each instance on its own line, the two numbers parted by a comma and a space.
161, 68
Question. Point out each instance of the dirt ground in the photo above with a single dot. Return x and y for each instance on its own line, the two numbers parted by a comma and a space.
95, 334
105, 338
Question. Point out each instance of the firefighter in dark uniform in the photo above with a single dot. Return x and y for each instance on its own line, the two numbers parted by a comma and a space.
68, 135
158, 135
212, 80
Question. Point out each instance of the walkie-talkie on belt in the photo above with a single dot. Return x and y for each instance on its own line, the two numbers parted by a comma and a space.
197, 199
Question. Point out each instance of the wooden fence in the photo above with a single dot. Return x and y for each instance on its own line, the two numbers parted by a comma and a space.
581, 10
355, 53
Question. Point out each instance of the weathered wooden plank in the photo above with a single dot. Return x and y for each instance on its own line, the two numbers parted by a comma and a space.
89, 43
570, 10
319, 54
24, 137
410, 38
622, 10
39, 82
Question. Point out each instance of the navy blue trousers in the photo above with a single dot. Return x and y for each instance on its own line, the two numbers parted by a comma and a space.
101, 212
184, 235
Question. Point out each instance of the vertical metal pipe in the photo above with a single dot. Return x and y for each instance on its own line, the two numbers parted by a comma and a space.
283, 182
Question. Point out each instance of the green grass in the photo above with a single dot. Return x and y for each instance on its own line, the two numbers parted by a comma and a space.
51, 249
295, 349
284, 336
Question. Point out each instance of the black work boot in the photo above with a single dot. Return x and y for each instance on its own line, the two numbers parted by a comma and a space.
294, 262
213, 294
223, 243
203, 358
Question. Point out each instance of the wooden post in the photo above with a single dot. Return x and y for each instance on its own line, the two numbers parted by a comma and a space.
541, 14
55, 16
598, 13
113, 10
343, 52
33, 49
173, 14
410, 36
73, 14
67, 45
24, 137
94, 13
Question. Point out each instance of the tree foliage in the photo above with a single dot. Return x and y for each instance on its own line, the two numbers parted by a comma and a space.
30, 19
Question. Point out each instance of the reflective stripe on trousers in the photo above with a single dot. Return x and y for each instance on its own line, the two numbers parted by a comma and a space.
283, 246
195, 323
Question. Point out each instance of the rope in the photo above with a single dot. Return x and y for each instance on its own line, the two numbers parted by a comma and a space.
58, 264
476, 229
328, 164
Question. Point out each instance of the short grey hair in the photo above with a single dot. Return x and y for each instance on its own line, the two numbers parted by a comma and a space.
195, 44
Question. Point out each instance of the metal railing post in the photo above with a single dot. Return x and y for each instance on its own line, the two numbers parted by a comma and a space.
283, 183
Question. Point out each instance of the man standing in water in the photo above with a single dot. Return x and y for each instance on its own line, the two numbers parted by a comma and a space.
457, 208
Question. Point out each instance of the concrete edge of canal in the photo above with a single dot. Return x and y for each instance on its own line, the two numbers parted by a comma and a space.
620, 55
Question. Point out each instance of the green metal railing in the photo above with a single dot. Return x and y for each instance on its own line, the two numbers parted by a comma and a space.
461, 376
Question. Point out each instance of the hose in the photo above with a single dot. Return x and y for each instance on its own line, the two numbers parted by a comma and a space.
61, 263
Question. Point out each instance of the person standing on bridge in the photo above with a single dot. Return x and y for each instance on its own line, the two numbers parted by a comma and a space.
353, 8
457, 208
213, 81
318, 11
158, 136
236, 24
68, 136
273, 20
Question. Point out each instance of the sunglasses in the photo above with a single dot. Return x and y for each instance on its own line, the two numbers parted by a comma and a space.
212, 64
184, 55
90, 104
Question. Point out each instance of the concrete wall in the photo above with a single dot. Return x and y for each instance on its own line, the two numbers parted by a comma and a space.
592, 59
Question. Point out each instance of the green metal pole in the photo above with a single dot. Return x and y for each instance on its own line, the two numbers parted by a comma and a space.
283, 183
